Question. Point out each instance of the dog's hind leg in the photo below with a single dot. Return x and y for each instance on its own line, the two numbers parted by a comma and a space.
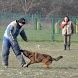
46, 66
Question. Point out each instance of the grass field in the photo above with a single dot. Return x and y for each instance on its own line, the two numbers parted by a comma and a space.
64, 68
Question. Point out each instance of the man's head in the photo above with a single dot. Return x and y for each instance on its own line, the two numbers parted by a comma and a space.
22, 21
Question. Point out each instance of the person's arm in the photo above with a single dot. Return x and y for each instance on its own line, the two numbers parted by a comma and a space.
63, 24
23, 35
72, 28
11, 32
12, 39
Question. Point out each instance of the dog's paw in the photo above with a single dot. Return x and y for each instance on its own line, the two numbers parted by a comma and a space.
61, 56
27, 65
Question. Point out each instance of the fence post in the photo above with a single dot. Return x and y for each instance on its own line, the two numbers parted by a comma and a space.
38, 23
59, 20
75, 23
53, 29
34, 21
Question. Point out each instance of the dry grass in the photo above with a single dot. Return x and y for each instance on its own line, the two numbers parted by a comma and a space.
64, 68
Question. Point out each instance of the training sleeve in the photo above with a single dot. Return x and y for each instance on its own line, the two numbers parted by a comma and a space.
23, 35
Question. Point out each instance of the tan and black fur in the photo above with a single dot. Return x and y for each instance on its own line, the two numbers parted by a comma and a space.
39, 58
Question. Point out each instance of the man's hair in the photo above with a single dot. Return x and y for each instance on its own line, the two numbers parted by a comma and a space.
22, 20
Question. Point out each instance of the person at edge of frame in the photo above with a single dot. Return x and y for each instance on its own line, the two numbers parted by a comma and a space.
67, 31
10, 40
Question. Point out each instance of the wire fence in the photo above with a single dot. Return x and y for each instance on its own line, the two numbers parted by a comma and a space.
40, 28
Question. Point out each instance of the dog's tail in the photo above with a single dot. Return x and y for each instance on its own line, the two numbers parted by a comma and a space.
58, 58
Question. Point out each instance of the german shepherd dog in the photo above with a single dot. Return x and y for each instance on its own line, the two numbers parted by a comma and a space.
39, 58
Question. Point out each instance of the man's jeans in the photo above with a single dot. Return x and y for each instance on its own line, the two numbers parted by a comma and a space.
5, 51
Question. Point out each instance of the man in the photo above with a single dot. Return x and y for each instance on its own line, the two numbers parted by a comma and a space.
10, 40
67, 31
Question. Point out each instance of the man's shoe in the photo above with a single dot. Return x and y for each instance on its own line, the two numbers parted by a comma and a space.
64, 47
69, 47
5, 66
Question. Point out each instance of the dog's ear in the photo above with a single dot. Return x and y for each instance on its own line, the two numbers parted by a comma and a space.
21, 50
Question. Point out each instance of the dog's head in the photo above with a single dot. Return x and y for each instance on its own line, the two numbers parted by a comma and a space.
25, 52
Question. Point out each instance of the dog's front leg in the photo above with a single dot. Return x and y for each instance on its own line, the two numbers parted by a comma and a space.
28, 64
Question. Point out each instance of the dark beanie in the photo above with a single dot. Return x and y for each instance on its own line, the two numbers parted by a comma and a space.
22, 20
